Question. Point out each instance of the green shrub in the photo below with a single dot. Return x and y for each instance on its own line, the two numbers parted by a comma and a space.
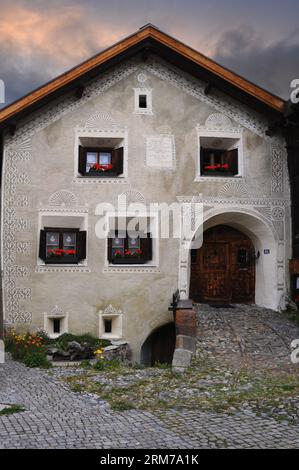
63, 340
85, 364
36, 359
11, 410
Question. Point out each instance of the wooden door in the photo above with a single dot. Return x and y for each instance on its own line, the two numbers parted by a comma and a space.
223, 270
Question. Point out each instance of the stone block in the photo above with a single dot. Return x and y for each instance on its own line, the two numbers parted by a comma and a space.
186, 342
181, 360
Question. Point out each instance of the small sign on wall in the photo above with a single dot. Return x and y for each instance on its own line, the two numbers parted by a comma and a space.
160, 152
267, 252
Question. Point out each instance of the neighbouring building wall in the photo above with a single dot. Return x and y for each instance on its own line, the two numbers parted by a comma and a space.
41, 184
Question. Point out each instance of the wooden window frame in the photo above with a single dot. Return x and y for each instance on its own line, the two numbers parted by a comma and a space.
80, 245
117, 159
232, 154
146, 244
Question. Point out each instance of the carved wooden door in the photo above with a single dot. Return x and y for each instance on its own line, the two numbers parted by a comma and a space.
223, 270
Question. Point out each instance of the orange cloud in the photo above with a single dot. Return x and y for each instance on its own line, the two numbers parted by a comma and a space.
66, 37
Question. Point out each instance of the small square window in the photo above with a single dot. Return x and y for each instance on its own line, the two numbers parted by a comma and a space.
56, 325
108, 326
142, 101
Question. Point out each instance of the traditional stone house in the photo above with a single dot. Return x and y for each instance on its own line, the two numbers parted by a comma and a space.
155, 121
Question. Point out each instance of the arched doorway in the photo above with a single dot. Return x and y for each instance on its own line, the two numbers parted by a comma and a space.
159, 346
223, 269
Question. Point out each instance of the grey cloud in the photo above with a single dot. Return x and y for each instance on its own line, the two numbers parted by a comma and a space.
272, 66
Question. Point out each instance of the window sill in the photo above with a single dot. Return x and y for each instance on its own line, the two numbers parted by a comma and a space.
201, 178
56, 268
101, 180
128, 262
132, 268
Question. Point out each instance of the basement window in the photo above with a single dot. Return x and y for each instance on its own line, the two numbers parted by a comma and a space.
56, 326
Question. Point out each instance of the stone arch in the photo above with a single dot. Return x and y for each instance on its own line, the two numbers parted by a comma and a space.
159, 345
270, 269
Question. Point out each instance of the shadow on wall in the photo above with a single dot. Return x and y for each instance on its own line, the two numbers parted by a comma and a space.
159, 346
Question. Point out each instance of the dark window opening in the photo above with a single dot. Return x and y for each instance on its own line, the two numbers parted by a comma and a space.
62, 245
100, 162
123, 248
217, 162
56, 326
142, 101
108, 326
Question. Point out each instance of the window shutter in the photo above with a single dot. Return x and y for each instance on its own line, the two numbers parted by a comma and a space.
202, 156
117, 160
109, 254
42, 245
82, 160
146, 245
232, 160
81, 245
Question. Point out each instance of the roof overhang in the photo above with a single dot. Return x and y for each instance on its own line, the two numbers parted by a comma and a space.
148, 39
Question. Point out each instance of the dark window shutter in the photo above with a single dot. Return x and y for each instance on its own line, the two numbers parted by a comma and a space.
109, 254
117, 160
146, 246
232, 160
42, 245
81, 245
202, 157
82, 160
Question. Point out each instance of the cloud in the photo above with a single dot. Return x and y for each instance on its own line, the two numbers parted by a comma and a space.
40, 40
272, 65
37, 45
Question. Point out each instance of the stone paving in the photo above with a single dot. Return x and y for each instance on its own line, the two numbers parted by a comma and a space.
246, 336
56, 417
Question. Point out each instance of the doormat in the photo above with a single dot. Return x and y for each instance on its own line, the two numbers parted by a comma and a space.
222, 306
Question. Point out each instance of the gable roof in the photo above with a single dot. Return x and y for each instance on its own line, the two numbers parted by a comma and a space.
148, 39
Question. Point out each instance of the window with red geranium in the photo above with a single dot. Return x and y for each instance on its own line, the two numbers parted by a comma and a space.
100, 162
62, 245
130, 250
218, 162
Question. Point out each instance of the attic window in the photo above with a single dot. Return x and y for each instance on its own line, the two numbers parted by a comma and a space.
142, 101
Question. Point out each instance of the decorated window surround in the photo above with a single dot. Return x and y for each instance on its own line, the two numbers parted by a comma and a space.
149, 101
234, 133
66, 218
154, 263
114, 133
56, 314
116, 318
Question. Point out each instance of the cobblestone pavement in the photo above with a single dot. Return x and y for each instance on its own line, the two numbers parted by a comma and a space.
56, 417
246, 336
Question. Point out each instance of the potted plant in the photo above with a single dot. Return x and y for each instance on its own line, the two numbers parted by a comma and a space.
129, 257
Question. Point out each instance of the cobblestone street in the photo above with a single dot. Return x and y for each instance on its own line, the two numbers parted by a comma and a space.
57, 417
